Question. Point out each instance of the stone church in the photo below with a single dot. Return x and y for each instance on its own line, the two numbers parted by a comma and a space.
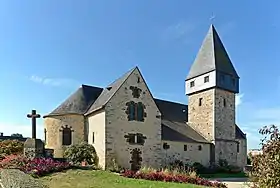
123, 121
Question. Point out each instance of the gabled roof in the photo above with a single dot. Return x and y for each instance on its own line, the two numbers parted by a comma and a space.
79, 102
212, 55
108, 92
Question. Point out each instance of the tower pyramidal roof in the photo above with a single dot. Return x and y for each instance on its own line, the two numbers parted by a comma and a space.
212, 56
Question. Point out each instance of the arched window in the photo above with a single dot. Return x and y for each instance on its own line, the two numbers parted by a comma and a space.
66, 136
135, 111
131, 111
140, 111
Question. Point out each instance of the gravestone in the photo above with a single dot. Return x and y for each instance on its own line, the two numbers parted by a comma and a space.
33, 147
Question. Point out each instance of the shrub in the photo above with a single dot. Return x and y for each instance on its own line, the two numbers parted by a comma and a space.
14, 178
171, 177
113, 166
265, 167
36, 167
8, 147
81, 152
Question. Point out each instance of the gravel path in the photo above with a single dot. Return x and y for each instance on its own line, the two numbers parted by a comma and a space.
235, 182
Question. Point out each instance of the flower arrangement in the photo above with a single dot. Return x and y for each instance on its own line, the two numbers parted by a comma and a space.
171, 177
36, 167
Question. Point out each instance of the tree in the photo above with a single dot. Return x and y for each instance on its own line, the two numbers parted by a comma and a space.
17, 135
265, 167
81, 152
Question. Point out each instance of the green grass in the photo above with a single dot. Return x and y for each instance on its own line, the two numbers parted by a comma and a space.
224, 175
103, 179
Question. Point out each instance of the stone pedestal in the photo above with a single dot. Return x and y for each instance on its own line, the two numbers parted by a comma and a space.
33, 148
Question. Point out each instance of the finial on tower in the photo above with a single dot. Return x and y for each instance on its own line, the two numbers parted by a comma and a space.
212, 19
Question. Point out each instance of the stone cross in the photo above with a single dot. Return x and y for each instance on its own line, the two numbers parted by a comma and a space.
33, 117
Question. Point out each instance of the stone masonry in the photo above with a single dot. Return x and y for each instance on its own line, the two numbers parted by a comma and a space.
117, 125
54, 124
212, 113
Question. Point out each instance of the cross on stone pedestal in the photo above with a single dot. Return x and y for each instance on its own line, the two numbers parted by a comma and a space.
33, 117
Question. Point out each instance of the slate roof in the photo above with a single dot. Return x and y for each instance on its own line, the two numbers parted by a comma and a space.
79, 102
212, 55
175, 116
108, 92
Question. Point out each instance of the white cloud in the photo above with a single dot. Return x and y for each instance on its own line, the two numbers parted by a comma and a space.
238, 99
53, 81
25, 130
179, 31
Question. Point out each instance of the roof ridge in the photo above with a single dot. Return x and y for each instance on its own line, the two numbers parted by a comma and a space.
106, 99
164, 100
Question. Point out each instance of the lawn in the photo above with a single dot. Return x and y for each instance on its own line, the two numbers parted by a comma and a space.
224, 175
103, 179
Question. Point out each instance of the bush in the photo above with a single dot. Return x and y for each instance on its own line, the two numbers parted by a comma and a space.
171, 177
81, 152
14, 178
8, 147
36, 167
113, 166
265, 167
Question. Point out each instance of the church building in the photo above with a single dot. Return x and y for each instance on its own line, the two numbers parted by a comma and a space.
123, 121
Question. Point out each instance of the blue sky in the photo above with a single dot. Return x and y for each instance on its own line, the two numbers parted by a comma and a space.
49, 48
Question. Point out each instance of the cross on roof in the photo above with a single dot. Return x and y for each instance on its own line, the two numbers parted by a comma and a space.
33, 117
212, 18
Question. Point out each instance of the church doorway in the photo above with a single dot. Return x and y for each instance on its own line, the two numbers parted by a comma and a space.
136, 159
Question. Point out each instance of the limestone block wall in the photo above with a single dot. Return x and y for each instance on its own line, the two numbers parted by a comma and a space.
117, 125
226, 150
224, 115
242, 154
96, 134
54, 124
193, 154
201, 113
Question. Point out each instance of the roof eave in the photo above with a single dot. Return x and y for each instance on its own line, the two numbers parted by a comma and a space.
61, 114
97, 109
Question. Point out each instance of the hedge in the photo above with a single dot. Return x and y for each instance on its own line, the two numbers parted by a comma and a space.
14, 178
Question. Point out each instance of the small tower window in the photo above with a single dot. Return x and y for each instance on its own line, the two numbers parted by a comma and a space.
166, 146
199, 147
237, 147
200, 102
93, 137
192, 83
185, 147
206, 79
225, 102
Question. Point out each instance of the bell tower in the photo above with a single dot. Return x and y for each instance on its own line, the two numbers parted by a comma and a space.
211, 86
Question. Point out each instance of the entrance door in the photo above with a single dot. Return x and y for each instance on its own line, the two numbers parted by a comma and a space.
136, 159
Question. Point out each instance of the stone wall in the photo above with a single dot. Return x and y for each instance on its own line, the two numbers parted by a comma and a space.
117, 125
212, 114
201, 118
226, 150
96, 134
224, 115
54, 124
242, 154
193, 154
